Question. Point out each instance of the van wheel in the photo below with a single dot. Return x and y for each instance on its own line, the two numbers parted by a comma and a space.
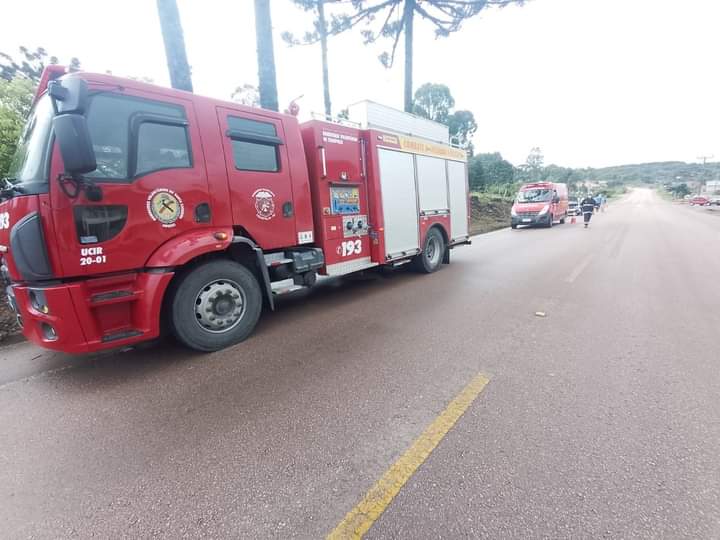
215, 305
550, 221
431, 256
513, 226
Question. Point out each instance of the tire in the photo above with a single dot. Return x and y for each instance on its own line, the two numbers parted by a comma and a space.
513, 226
550, 222
431, 256
562, 220
215, 305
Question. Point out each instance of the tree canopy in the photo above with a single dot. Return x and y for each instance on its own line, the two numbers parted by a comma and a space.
435, 102
246, 94
31, 64
18, 79
489, 169
462, 127
15, 100
680, 190
321, 31
391, 19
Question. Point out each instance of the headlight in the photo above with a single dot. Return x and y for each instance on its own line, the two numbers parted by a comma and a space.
513, 212
544, 210
38, 301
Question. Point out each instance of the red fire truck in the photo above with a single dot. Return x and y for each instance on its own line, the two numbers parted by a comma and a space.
132, 208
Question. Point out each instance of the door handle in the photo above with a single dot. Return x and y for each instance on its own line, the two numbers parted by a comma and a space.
287, 209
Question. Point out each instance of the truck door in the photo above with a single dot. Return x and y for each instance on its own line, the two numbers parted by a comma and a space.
399, 203
151, 171
258, 170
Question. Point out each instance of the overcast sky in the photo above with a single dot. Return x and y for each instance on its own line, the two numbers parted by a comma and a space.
591, 82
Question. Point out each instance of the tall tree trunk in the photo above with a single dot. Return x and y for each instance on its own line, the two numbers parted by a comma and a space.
323, 48
265, 56
172, 34
408, 20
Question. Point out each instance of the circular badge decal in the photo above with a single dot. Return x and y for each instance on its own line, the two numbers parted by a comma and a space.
165, 206
264, 204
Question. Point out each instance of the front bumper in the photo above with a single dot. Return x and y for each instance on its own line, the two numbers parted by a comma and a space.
91, 315
531, 220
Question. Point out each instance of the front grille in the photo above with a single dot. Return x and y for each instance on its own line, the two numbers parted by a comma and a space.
527, 214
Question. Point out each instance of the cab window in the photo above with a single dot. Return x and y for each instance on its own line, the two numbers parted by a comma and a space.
161, 146
254, 144
133, 136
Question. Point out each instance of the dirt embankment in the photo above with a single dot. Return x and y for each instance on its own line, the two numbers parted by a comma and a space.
488, 214
8, 325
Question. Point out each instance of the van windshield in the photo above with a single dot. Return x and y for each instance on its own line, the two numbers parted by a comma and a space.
535, 195
28, 164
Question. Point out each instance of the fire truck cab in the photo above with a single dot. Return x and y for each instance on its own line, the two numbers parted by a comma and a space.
132, 207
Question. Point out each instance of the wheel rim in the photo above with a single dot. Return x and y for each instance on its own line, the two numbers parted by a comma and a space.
220, 306
432, 251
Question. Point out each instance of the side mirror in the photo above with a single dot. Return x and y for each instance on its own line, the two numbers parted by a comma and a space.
73, 137
556, 199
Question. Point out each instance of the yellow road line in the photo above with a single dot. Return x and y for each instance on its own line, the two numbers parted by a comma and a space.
359, 520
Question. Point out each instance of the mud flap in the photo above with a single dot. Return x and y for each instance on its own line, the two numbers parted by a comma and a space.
265, 277
262, 268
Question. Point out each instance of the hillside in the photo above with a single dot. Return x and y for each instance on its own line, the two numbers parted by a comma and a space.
660, 172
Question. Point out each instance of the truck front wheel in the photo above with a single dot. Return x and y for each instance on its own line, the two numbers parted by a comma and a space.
215, 305
431, 256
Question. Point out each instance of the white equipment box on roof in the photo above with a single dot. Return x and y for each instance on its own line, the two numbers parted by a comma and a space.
371, 115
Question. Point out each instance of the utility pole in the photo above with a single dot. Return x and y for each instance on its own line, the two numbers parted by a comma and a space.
704, 162
705, 158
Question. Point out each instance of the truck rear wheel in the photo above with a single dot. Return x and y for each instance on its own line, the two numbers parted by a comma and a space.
431, 256
215, 305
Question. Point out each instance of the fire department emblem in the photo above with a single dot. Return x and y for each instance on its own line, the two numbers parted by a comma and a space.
165, 206
264, 204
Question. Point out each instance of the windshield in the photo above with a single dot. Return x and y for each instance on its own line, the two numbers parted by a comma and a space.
535, 195
28, 163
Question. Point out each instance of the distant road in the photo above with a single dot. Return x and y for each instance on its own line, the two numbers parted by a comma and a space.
600, 419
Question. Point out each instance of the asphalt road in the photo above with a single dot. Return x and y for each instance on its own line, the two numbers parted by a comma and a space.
601, 419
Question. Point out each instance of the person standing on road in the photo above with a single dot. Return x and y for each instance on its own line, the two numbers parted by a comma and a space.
598, 202
588, 207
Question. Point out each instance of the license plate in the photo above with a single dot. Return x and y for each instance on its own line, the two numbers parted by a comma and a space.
526, 220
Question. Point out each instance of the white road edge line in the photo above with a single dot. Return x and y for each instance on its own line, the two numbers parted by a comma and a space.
579, 269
